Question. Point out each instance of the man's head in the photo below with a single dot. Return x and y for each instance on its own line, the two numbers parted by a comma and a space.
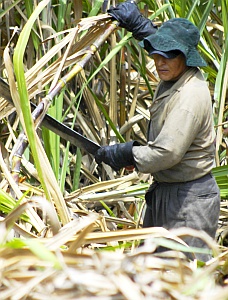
176, 35
170, 68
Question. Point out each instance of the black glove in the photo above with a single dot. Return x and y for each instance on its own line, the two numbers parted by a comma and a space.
117, 156
130, 18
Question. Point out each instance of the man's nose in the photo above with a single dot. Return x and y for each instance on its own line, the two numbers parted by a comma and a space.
160, 60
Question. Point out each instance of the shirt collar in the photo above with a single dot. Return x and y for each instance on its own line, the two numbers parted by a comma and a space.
178, 84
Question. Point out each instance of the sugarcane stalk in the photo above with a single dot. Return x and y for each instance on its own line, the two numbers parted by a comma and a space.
16, 160
40, 111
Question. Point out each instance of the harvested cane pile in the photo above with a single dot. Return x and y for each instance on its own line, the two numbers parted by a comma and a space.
89, 274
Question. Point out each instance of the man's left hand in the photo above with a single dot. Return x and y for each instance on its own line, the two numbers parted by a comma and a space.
117, 156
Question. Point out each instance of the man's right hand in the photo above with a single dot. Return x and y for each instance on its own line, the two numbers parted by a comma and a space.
126, 13
130, 18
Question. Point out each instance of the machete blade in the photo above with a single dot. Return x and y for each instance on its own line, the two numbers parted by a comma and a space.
55, 126
70, 135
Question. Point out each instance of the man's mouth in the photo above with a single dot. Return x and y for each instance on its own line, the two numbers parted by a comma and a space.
162, 70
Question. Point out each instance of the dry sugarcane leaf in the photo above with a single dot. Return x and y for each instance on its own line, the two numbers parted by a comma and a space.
104, 185
69, 230
35, 75
130, 234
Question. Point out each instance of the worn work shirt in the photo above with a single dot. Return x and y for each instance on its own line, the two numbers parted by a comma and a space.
181, 135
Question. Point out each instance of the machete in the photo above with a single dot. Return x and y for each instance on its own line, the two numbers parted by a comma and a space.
55, 126
70, 135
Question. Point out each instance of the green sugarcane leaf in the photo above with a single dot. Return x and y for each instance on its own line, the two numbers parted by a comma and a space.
36, 248
22, 88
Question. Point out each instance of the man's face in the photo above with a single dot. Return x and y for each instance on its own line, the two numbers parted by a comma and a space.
169, 69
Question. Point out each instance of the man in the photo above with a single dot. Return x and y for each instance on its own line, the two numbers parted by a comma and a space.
180, 149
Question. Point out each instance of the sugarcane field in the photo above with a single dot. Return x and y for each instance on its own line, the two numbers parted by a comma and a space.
114, 150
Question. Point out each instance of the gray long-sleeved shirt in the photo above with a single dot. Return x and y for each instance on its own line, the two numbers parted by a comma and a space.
181, 134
